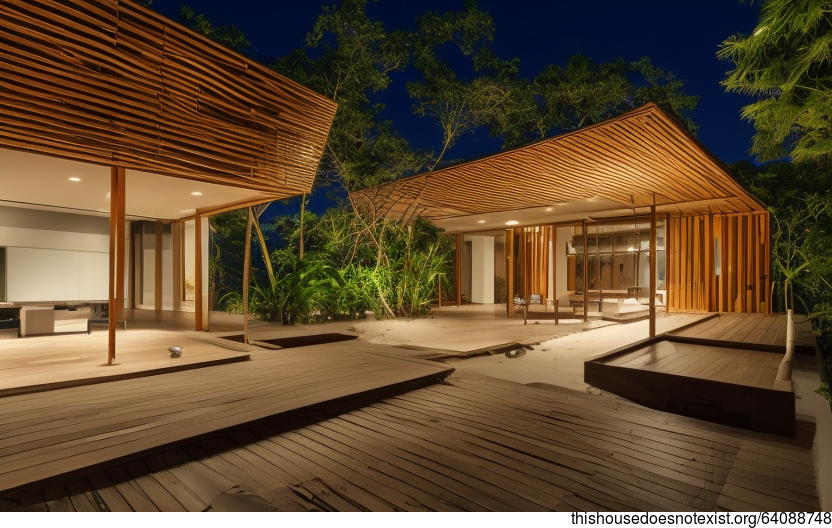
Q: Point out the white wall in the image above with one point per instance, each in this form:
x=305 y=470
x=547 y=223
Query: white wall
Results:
x=53 y=256
x=482 y=269
x=563 y=235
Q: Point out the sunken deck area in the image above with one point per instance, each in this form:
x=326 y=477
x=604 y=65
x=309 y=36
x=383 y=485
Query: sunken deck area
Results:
x=722 y=369
x=63 y=411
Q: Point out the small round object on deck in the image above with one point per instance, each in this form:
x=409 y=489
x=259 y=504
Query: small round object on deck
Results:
x=515 y=352
x=175 y=351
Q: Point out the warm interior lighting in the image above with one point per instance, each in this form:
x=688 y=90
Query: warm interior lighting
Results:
x=549 y=209
x=196 y=193
x=512 y=222
x=480 y=221
x=75 y=179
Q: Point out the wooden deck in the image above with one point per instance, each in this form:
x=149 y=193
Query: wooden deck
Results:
x=473 y=444
x=50 y=433
x=59 y=361
x=723 y=369
x=765 y=331
x=753 y=368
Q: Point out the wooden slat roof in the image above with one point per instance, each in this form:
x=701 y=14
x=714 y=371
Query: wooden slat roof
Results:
x=113 y=83
x=620 y=165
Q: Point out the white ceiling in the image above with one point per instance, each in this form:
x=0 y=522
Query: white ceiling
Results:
x=592 y=208
x=32 y=180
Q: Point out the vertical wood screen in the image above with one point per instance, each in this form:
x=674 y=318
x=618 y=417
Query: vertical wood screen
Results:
x=531 y=263
x=719 y=263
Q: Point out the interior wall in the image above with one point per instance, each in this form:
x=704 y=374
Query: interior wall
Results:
x=54 y=256
x=564 y=235
x=482 y=269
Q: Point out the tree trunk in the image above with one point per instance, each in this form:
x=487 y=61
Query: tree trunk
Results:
x=785 y=370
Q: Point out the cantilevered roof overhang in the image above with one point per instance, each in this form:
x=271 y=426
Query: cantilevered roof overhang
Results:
x=110 y=83
x=619 y=167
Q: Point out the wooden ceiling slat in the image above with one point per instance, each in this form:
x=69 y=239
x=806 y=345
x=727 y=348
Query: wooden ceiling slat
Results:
x=112 y=82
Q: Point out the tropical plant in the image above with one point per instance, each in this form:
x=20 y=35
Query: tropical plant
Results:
x=787 y=63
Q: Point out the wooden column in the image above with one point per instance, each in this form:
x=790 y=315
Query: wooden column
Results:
x=178 y=273
x=509 y=249
x=116 y=256
x=668 y=262
x=653 y=263
x=121 y=249
x=586 y=271
x=198 y=278
x=524 y=263
x=247 y=272
x=158 y=272
x=767 y=260
x=458 y=270
x=554 y=283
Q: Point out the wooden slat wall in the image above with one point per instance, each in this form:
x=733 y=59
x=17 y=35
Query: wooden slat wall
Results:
x=744 y=281
x=113 y=83
x=533 y=262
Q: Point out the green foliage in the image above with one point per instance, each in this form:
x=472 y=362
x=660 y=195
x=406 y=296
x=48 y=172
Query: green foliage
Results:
x=801 y=210
x=362 y=263
x=786 y=62
x=583 y=92
x=458 y=105
x=348 y=57
x=229 y=36
x=823 y=331
x=800 y=203
x=344 y=274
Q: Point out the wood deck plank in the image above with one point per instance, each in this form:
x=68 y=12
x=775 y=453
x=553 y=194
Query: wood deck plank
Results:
x=109 y=420
x=438 y=445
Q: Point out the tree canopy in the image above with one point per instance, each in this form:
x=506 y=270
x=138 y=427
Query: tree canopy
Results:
x=455 y=79
x=787 y=63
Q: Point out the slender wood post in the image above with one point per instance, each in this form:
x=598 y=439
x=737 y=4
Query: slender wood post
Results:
x=247 y=273
x=653 y=267
x=198 y=278
x=116 y=248
x=555 y=271
x=121 y=248
x=668 y=262
x=767 y=261
x=158 y=272
x=458 y=270
x=586 y=271
x=177 y=270
x=509 y=249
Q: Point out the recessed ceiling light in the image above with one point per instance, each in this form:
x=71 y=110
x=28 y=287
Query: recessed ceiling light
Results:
x=480 y=221
x=512 y=222
x=549 y=209
x=196 y=193
x=75 y=179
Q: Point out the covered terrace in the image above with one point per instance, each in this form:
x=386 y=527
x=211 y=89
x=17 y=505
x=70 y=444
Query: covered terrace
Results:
x=121 y=132
x=633 y=206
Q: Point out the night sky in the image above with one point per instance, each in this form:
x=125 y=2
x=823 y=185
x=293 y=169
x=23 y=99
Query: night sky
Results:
x=680 y=37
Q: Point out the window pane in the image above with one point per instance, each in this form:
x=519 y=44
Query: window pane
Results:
x=626 y=242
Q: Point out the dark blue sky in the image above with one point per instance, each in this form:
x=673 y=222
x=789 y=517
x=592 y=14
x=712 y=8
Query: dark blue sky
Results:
x=680 y=37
